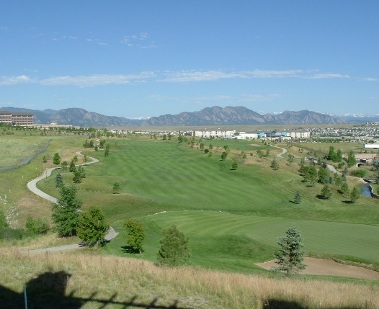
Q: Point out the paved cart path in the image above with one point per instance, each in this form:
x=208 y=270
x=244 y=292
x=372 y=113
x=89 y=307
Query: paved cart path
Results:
x=32 y=186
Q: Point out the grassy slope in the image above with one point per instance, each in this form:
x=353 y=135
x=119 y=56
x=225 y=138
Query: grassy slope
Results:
x=161 y=176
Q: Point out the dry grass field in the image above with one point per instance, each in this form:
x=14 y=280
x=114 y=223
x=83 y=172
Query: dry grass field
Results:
x=87 y=280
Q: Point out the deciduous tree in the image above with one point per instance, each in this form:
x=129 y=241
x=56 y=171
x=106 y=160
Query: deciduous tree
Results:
x=135 y=235
x=92 y=227
x=175 y=249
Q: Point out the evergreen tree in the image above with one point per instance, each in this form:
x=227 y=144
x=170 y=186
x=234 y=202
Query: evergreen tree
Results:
x=92 y=227
x=116 y=188
x=326 y=192
x=135 y=235
x=175 y=249
x=345 y=189
x=332 y=154
x=354 y=194
x=338 y=156
x=107 y=149
x=351 y=159
x=57 y=158
x=64 y=166
x=311 y=175
x=66 y=212
x=274 y=164
x=290 y=255
x=323 y=175
x=58 y=181
x=72 y=167
x=297 y=198
x=224 y=155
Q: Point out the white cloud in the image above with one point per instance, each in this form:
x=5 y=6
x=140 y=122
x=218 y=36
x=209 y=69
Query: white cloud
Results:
x=196 y=76
x=96 y=80
x=141 y=40
x=14 y=80
x=370 y=79
x=327 y=76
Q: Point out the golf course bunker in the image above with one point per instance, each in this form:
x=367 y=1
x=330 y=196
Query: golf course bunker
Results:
x=330 y=268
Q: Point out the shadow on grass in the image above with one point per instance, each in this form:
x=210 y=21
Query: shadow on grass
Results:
x=129 y=249
x=48 y=291
x=287 y=304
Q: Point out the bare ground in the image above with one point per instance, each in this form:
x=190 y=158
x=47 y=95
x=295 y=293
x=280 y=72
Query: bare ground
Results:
x=330 y=268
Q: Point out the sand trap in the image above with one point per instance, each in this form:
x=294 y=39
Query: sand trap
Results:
x=330 y=268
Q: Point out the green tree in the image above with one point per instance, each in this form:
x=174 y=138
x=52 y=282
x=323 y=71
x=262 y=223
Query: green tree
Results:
x=107 y=149
x=324 y=175
x=135 y=235
x=224 y=155
x=92 y=227
x=311 y=175
x=116 y=188
x=332 y=153
x=297 y=198
x=72 y=167
x=351 y=159
x=375 y=165
x=290 y=255
x=66 y=212
x=326 y=192
x=57 y=158
x=338 y=157
x=234 y=165
x=175 y=248
x=344 y=189
x=64 y=166
x=355 y=194
x=58 y=181
x=77 y=177
x=274 y=164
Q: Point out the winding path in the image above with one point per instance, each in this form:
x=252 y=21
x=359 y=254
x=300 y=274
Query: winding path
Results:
x=32 y=186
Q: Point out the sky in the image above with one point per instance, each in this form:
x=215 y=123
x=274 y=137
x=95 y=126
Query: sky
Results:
x=148 y=58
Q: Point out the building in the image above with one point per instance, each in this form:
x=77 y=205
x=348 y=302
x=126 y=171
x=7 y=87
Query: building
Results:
x=16 y=118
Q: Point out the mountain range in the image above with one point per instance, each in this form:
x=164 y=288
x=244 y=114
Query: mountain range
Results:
x=206 y=117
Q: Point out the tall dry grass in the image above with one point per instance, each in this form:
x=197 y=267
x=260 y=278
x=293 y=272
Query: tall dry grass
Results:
x=191 y=287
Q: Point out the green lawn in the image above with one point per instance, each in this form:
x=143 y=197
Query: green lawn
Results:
x=233 y=217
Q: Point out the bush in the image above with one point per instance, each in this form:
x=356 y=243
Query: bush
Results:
x=36 y=226
x=358 y=173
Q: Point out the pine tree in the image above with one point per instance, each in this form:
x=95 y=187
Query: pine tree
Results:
x=290 y=255
x=274 y=164
x=56 y=159
x=58 y=181
x=297 y=198
x=354 y=194
x=326 y=192
x=65 y=212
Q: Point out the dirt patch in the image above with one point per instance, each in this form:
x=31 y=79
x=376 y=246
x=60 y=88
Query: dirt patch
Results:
x=330 y=268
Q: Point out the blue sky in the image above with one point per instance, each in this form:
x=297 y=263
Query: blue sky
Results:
x=149 y=58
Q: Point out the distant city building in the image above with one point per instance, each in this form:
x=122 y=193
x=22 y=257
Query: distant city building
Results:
x=16 y=118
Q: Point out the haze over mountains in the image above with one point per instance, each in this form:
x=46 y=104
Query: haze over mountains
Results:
x=205 y=117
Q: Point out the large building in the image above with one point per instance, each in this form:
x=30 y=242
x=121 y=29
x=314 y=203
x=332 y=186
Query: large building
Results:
x=16 y=118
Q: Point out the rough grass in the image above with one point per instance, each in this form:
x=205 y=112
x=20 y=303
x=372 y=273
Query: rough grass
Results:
x=68 y=280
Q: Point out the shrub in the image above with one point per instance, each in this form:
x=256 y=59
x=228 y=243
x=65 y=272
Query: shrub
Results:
x=36 y=226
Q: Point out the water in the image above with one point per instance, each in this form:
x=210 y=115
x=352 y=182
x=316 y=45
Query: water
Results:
x=366 y=190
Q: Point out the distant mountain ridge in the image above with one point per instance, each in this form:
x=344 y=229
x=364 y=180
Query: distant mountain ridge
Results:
x=208 y=116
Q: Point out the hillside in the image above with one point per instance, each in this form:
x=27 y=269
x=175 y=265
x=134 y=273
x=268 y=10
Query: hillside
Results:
x=208 y=116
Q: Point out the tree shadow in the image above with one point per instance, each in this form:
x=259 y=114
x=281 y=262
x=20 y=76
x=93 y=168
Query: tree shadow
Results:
x=48 y=291
x=282 y=304
x=130 y=250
